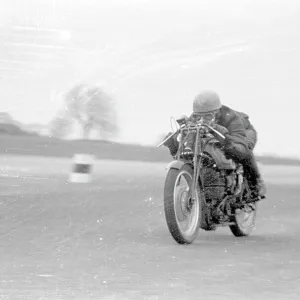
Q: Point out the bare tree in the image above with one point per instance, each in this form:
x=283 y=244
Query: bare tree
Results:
x=93 y=109
x=60 y=126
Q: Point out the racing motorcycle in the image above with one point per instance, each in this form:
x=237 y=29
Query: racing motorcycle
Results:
x=204 y=189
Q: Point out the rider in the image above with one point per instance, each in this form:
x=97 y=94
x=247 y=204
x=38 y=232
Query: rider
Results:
x=240 y=135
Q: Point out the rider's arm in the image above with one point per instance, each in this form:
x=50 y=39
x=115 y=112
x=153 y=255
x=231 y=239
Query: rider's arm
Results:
x=251 y=134
x=235 y=143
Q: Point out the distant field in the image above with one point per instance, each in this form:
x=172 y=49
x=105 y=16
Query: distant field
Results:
x=43 y=146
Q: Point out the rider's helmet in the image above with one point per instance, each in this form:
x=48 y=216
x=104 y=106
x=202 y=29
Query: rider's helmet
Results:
x=206 y=102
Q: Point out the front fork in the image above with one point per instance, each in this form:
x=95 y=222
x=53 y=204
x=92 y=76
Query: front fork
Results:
x=196 y=167
x=196 y=161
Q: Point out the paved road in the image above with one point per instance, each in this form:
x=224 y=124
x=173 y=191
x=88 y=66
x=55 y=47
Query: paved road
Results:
x=108 y=239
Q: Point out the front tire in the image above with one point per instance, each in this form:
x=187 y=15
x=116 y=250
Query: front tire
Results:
x=178 y=204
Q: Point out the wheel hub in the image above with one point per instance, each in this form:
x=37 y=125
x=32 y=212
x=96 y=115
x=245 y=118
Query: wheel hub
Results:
x=185 y=203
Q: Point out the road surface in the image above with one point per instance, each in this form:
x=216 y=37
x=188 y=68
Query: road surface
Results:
x=108 y=239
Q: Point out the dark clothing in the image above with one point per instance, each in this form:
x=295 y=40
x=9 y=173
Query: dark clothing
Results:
x=231 y=120
x=231 y=125
x=172 y=144
x=251 y=170
x=241 y=138
x=236 y=127
x=251 y=133
x=250 y=165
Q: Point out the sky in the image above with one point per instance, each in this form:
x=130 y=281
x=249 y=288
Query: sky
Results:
x=153 y=57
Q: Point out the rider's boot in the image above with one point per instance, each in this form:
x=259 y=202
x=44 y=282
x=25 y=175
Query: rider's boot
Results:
x=260 y=189
x=254 y=177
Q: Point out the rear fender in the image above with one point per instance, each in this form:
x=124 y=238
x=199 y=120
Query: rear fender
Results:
x=175 y=164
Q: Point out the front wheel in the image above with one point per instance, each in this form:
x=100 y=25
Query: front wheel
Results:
x=181 y=211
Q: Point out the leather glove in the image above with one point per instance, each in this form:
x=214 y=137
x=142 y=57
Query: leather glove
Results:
x=171 y=143
x=221 y=129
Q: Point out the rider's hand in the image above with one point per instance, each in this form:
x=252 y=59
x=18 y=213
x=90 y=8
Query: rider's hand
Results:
x=221 y=129
x=170 y=141
x=204 y=130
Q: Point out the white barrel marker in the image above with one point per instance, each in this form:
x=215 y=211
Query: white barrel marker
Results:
x=82 y=168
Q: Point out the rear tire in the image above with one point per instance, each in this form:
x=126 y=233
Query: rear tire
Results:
x=244 y=218
x=177 y=203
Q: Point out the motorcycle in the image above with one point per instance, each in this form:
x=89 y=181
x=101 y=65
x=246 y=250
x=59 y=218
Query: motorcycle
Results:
x=204 y=189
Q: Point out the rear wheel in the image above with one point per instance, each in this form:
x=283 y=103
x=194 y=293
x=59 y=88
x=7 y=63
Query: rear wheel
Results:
x=245 y=217
x=181 y=211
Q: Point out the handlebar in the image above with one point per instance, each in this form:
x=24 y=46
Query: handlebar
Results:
x=215 y=131
x=193 y=127
x=171 y=135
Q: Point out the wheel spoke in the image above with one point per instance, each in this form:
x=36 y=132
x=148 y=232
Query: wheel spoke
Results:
x=187 y=213
x=245 y=219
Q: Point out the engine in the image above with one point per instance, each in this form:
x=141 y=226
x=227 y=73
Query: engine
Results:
x=219 y=183
x=214 y=182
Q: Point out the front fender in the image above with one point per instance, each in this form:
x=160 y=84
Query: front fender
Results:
x=175 y=164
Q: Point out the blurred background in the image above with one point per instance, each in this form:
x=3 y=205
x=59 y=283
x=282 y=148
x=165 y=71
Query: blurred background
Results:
x=103 y=78
x=119 y=69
